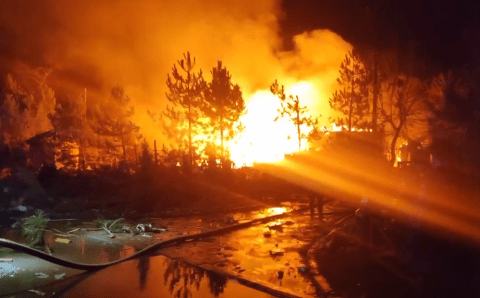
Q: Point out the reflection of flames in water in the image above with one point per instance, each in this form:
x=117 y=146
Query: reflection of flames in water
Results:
x=266 y=140
x=277 y=210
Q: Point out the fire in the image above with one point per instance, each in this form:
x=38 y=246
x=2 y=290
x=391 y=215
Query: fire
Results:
x=266 y=140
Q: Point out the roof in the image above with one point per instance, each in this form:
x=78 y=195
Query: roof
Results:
x=36 y=139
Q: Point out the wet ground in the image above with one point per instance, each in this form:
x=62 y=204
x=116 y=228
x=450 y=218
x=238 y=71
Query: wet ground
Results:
x=282 y=254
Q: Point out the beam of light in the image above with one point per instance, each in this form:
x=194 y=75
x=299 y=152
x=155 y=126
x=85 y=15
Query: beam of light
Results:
x=340 y=176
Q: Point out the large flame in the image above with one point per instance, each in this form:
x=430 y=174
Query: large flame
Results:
x=267 y=140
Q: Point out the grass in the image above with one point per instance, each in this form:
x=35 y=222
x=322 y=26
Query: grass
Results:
x=5 y=251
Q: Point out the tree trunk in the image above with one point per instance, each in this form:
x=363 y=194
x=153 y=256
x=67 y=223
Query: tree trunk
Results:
x=124 y=151
x=375 y=94
x=393 y=145
x=136 y=156
x=350 y=112
x=190 y=151
x=155 y=151
x=298 y=131
x=221 y=139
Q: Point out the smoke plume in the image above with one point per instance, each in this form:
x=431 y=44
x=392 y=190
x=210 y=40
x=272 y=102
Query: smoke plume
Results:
x=96 y=44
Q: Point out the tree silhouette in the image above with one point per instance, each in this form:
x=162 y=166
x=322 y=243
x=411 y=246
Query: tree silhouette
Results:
x=402 y=107
x=113 y=119
x=143 y=267
x=185 y=91
x=352 y=100
x=224 y=105
x=23 y=111
x=181 y=278
x=216 y=283
x=290 y=106
x=455 y=105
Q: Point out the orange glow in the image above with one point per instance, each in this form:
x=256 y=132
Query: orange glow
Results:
x=350 y=176
x=266 y=140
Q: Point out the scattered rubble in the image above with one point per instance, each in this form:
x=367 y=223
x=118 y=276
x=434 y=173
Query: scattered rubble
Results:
x=37 y=292
x=60 y=276
x=41 y=275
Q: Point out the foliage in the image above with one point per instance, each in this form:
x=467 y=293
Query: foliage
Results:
x=69 y=121
x=146 y=158
x=224 y=105
x=352 y=101
x=24 y=110
x=185 y=93
x=33 y=228
x=402 y=108
x=297 y=114
x=112 y=121
x=114 y=226
x=454 y=101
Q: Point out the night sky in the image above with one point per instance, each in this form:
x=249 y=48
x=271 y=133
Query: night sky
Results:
x=446 y=32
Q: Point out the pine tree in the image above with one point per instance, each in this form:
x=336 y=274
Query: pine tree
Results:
x=24 y=111
x=224 y=105
x=185 y=92
x=69 y=121
x=113 y=120
x=297 y=114
x=352 y=100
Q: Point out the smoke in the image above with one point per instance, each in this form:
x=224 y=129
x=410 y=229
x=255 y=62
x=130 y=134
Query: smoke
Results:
x=96 y=44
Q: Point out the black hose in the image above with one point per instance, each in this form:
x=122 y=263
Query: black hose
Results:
x=90 y=267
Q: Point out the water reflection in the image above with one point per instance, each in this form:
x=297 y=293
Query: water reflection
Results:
x=276 y=210
x=216 y=283
x=180 y=278
x=143 y=266
x=159 y=277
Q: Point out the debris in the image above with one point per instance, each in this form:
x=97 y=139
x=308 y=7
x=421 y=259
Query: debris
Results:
x=60 y=276
x=146 y=235
x=41 y=275
x=6 y=260
x=144 y=228
x=237 y=267
x=276 y=253
x=280 y=274
x=241 y=270
x=230 y=220
x=267 y=234
x=114 y=222
x=156 y=230
x=9 y=273
x=289 y=222
x=63 y=240
x=127 y=229
x=110 y=234
x=278 y=228
x=37 y=292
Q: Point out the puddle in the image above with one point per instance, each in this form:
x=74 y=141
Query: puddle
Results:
x=155 y=276
x=275 y=259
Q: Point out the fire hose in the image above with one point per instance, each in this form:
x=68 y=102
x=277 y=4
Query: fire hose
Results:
x=154 y=247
